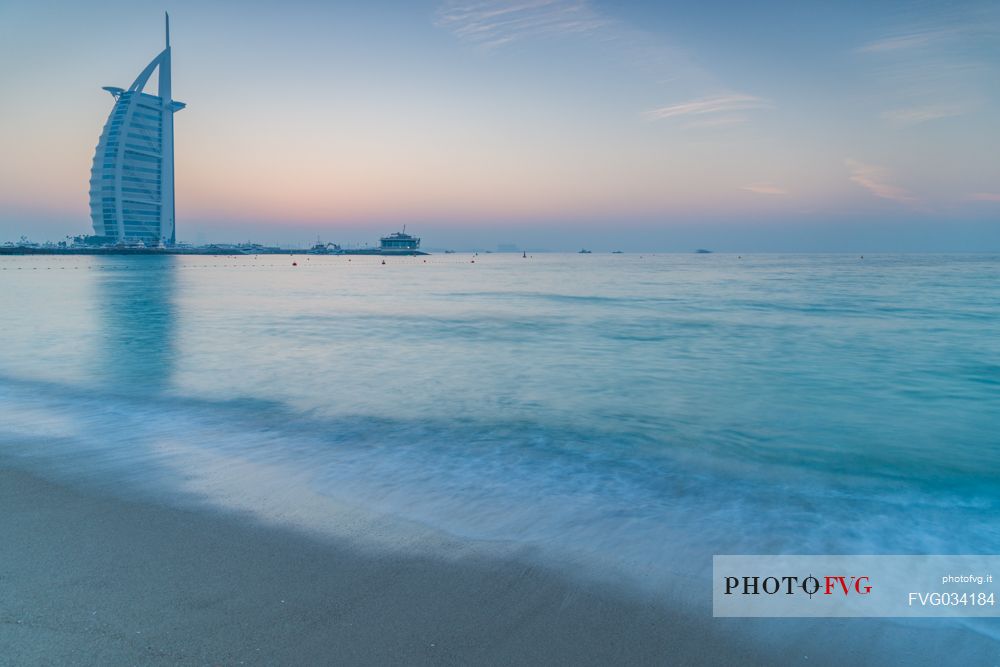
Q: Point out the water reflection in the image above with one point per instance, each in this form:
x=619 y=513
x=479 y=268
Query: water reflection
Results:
x=135 y=300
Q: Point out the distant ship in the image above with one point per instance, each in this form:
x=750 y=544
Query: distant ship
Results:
x=584 y=251
x=617 y=252
x=702 y=251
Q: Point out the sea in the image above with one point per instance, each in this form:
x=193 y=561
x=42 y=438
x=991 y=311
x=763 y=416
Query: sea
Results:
x=634 y=412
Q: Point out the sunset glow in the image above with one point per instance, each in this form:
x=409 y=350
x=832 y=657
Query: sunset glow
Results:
x=463 y=114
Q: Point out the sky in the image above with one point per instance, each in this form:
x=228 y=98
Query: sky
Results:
x=544 y=124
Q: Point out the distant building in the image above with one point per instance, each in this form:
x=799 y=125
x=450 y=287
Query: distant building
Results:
x=400 y=243
x=132 y=180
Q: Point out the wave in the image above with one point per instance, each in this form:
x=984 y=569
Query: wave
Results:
x=618 y=499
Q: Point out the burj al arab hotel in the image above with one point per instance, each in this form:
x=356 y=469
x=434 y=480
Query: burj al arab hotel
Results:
x=132 y=180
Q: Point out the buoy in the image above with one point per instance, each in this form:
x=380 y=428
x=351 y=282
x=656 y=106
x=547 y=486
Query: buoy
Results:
x=383 y=262
x=295 y=263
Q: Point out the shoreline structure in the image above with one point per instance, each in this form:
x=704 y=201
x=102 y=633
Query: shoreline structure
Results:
x=249 y=249
x=395 y=244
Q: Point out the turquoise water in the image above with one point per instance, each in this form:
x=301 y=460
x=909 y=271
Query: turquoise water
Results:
x=646 y=411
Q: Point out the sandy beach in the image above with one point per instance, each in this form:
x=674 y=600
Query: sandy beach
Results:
x=88 y=579
x=93 y=580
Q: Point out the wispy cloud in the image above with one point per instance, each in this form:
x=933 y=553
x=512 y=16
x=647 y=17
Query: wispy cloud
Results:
x=916 y=115
x=957 y=25
x=719 y=104
x=764 y=189
x=875 y=179
x=493 y=23
x=934 y=67
x=902 y=42
x=986 y=196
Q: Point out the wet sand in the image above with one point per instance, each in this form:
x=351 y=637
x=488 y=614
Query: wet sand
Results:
x=88 y=579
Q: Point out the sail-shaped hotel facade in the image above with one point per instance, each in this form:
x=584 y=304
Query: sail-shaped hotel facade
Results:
x=132 y=180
